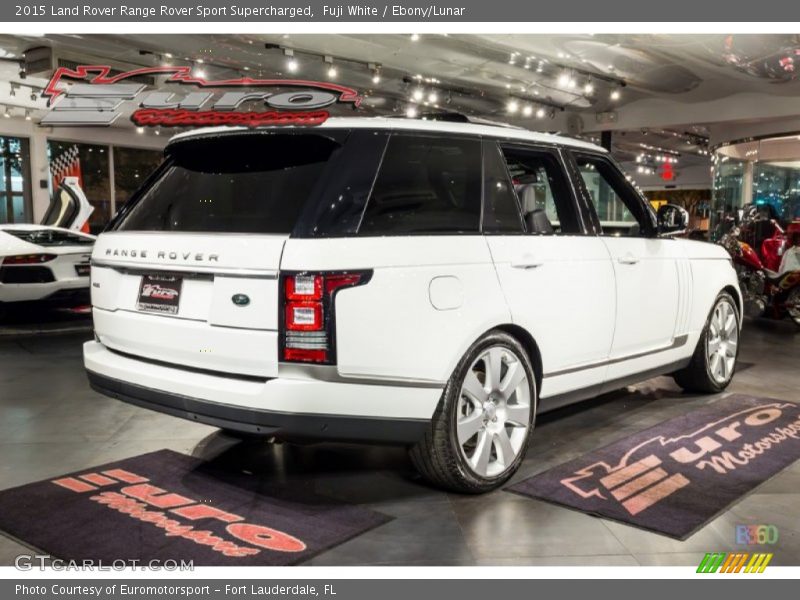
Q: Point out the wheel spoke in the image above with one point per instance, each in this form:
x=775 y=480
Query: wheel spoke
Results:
x=713 y=346
x=494 y=368
x=505 y=451
x=713 y=329
x=730 y=349
x=721 y=367
x=468 y=426
x=714 y=366
x=730 y=324
x=514 y=376
x=474 y=388
x=483 y=451
x=518 y=414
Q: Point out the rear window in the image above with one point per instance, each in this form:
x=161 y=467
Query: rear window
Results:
x=250 y=183
x=426 y=185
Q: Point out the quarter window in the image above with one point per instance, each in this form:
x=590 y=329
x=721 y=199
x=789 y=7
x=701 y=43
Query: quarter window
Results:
x=501 y=212
x=426 y=185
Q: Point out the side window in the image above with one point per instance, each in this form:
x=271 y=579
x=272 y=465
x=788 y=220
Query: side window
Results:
x=426 y=185
x=501 y=212
x=542 y=190
x=619 y=208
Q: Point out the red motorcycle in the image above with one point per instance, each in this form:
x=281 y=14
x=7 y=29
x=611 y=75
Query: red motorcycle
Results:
x=769 y=279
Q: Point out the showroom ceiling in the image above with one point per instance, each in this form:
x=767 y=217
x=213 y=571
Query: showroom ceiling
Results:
x=524 y=79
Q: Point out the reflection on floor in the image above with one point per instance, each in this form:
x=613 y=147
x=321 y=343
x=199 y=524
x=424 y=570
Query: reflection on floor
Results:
x=52 y=423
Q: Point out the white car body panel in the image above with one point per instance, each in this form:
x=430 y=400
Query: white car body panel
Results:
x=552 y=280
x=286 y=394
x=62 y=267
x=397 y=332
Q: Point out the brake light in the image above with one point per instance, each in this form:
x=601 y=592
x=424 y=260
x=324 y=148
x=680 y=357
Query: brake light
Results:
x=303 y=316
x=308 y=328
x=303 y=287
x=27 y=259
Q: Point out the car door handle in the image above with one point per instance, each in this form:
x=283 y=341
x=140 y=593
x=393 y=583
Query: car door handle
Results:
x=628 y=259
x=526 y=261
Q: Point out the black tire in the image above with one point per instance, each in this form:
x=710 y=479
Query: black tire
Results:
x=793 y=297
x=696 y=376
x=438 y=457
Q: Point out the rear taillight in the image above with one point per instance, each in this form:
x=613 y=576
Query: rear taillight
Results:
x=27 y=259
x=307 y=318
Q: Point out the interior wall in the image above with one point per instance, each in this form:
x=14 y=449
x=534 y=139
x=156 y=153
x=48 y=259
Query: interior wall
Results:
x=38 y=136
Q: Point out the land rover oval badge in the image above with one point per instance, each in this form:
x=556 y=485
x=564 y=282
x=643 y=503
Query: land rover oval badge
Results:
x=240 y=299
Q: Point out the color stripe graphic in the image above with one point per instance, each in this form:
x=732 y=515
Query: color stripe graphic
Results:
x=734 y=562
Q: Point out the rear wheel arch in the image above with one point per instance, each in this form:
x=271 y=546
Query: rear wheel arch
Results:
x=531 y=347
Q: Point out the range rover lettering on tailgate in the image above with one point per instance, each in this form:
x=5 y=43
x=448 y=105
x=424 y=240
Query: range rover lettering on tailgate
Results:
x=434 y=284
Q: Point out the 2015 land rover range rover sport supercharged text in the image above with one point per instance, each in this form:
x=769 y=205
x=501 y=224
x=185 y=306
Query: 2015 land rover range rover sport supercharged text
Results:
x=429 y=283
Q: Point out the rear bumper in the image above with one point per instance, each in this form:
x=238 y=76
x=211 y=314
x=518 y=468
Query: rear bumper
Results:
x=64 y=290
x=317 y=409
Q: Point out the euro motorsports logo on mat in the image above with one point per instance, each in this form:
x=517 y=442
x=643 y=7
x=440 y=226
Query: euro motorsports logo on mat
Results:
x=734 y=562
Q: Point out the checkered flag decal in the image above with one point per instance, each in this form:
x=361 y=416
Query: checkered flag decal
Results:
x=66 y=164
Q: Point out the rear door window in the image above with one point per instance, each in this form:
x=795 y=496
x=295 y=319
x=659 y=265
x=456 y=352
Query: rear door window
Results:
x=541 y=185
x=249 y=183
x=426 y=184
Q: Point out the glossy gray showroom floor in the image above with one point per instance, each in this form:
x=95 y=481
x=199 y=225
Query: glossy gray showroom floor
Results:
x=52 y=423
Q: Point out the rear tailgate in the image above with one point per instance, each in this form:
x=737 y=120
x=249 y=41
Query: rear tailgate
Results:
x=198 y=300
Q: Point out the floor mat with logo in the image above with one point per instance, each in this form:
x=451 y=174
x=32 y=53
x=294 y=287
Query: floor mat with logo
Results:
x=676 y=476
x=167 y=506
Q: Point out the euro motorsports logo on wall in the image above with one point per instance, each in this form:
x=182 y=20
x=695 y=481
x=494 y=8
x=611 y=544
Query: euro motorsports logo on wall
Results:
x=96 y=96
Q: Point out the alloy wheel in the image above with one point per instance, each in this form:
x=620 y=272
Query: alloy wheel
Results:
x=494 y=412
x=723 y=341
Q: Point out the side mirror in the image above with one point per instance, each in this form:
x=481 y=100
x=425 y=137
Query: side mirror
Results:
x=672 y=219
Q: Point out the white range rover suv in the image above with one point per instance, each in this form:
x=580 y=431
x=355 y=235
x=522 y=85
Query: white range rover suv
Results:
x=428 y=283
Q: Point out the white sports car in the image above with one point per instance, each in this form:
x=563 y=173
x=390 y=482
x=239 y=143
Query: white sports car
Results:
x=49 y=262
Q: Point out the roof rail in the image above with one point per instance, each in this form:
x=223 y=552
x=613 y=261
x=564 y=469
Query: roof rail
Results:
x=457 y=117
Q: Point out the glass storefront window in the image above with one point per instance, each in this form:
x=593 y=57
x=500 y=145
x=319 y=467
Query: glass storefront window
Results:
x=131 y=167
x=15 y=205
x=765 y=173
x=89 y=162
x=776 y=186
